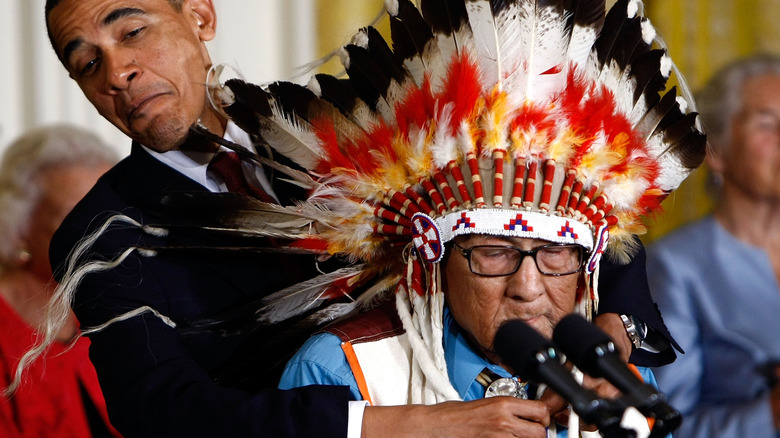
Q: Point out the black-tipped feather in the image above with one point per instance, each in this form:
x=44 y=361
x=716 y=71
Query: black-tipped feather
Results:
x=250 y=100
x=297 y=100
x=499 y=6
x=410 y=33
x=646 y=70
x=366 y=76
x=444 y=16
x=686 y=142
x=230 y=214
x=668 y=102
x=287 y=132
x=338 y=92
x=610 y=33
x=670 y=118
x=588 y=13
x=631 y=43
x=294 y=99
x=384 y=56
x=251 y=96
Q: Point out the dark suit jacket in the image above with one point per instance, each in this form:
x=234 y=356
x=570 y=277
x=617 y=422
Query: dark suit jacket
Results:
x=163 y=381
x=624 y=289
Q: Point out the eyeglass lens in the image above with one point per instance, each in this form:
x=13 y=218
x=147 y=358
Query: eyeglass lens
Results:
x=505 y=260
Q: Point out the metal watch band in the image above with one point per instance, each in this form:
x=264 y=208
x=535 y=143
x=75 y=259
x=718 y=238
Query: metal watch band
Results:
x=634 y=335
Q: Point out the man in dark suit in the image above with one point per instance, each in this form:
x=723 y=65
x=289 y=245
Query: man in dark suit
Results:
x=143 y=64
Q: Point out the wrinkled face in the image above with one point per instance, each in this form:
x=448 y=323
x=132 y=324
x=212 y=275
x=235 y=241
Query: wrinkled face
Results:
x=141 y=63
x=481 y=304
x=61 y=188
x=753 y=160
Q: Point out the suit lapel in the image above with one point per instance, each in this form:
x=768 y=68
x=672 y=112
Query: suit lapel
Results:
x=148 y=178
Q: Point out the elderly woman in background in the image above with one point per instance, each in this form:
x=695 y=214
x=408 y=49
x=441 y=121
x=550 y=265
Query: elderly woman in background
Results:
x=716 y=281
x=43 y=174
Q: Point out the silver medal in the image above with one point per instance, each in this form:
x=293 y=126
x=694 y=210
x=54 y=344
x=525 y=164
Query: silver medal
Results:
x=507 y=386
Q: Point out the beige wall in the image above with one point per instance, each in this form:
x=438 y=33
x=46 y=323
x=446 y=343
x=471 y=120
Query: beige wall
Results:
x=702 y=36
x=265 y=39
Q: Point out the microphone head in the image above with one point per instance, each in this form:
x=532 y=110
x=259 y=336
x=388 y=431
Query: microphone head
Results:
x=579 y=340
x=518 y=344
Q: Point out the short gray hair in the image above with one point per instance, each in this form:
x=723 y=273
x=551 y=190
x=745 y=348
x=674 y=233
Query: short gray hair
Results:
x=721 y=98
x=25 y=159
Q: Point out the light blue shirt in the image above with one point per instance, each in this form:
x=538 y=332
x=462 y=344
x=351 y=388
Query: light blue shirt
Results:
x=321 y=361
x=720 y=299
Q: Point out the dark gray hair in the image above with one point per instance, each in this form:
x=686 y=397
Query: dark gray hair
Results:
x=25 y=159
x=721 y=98
x=50 y=4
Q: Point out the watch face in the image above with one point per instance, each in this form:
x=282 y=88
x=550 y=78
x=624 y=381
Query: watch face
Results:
x=507 y=386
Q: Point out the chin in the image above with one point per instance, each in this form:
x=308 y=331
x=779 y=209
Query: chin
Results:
x=543 y=326
x=165 y=137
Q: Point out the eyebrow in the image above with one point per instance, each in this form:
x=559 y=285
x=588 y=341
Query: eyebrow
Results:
x=112 y=17
x=506 y=239
x=766 y=112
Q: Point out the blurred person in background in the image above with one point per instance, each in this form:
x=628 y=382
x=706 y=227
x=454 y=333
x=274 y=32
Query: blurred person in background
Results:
x=43 y=174
x=716 y=280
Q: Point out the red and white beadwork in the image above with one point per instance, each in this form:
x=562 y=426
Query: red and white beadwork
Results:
x=515 y=223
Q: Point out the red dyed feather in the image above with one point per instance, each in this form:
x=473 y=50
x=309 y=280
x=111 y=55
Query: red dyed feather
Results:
x=462 y=88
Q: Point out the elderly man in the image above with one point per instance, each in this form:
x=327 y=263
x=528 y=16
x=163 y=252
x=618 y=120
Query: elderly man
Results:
x=477 y=201
x=487 y=280
x=167 y=365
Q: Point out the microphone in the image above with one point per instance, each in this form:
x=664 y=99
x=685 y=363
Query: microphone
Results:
x=593 y=352
x=535 y=358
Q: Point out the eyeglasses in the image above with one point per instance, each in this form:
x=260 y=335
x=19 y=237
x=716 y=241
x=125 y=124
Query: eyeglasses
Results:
x=500 y=260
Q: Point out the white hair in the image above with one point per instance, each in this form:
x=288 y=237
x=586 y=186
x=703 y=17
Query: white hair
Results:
x=25 y=159
x=721 y=98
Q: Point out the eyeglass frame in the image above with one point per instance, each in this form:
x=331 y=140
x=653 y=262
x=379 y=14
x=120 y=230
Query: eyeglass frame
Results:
x=466 y=253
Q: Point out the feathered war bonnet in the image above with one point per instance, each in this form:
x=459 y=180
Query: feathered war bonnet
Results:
x=538 y=119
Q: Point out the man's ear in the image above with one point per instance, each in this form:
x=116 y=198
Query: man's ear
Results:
x=204 y=16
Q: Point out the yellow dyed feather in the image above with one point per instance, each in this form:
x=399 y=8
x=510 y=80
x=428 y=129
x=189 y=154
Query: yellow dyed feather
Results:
x=564 y=145
x=495 y=119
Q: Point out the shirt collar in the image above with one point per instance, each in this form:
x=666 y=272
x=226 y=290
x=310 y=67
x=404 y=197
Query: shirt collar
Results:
x=194 y=164
x=463 y=363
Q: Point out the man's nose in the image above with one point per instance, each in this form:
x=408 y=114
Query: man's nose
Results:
x=526 y=283
x=121 y=69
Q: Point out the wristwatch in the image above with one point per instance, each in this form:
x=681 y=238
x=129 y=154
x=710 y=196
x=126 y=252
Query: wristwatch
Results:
x=636 y=329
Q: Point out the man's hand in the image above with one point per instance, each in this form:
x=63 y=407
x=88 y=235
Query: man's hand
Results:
x=559 y=407
x=613 y=325
x=494 y=417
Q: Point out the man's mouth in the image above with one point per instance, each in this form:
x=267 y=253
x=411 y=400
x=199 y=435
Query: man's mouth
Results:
x=139 y=105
